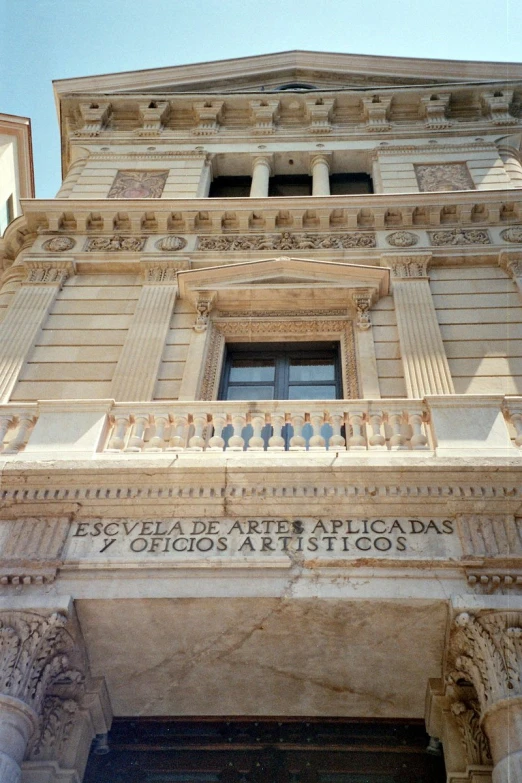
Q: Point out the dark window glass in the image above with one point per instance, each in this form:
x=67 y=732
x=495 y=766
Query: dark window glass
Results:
x=230 y=187
x=346 y=184
x=276 y=372
x=290 y=185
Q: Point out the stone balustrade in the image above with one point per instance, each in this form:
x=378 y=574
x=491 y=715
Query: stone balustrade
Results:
x=355 y=426
x=16 y=424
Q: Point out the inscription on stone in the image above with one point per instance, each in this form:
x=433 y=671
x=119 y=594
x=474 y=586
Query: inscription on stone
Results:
x=351 y=538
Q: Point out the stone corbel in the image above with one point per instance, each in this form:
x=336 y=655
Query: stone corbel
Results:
x=363 y=301
x=154 y=115
x=208 y=116
x=95 y=116
x=319 y=112
x=433 y=109
x=48 y=272
x=264 y=114
x=497 y=106
x=376 y=113
x=204 y=304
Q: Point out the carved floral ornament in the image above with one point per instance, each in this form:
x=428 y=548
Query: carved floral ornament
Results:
x=114 y=244
x=402 y=239
x=59 y=244
x=171 y=243
x=459 y=236
x=48 y=272
x=410 y=266
x=287 y=241
x=513 y=234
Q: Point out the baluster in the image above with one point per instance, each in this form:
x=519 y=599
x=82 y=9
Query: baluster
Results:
x=276 y=442
x=179 y=427
x=397 y=440
x=5 y=423
x=121 y=424
x=216 y=442
x=136 y=440
x=256 y=442
x=376 y=439
x=516 y=419
x=236 y=442
x=317 y=442
x=297 y=442
x=197 y=441
x=419 y=441
x=161 y=422
x=336 y=422
x=357 y=441
x=25 y=423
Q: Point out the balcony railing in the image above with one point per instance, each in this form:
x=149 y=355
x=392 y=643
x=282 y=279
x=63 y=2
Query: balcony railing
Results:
x=356 y=425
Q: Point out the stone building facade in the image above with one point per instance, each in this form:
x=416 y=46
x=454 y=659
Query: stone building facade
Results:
x=261 y=416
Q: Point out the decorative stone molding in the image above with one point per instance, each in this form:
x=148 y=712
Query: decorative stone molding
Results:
x=203 y=307
x=376 y=113
x=434 y=108
x=433 y=177
x=208 y=116
x=459 y=236
x=285 y=330
x=415 y=266
x=402 y=239
x=114 y=244
x=95 y=116
x=319 y=112
x=138 y=184
x=57 y=723
x=287 y=241
x=513 y=234
x=53 y=273
x=474 y=741
x=497 y=105
x=486 y=536
x=154 y=115
x=161 y=271
x=171 y=243
x=511 y=263
x=59 y=244
x=264 y=115
x=31 y=550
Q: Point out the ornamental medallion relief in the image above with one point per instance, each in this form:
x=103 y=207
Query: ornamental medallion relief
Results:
x=512 y=235
x=59 y=244
x=288 y=241
x=402 y=239
x=138 y=184
x=114 y=244
x=460 y=236
x=170 y=244
x=443 y=176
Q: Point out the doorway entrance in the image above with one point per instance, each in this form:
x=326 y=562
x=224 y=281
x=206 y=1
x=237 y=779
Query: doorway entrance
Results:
x=265 y=751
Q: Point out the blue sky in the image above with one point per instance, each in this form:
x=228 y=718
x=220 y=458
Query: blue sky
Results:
x=42 y=40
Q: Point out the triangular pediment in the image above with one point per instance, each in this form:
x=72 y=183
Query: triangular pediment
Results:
x=294 y=70
x=280 y=282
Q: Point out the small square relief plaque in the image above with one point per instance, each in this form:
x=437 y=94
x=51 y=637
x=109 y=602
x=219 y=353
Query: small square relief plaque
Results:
x=443 y=176
x=138 y=184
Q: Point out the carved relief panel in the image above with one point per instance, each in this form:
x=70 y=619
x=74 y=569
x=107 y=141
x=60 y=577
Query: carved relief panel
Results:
x=443 y=176
x=138 y=184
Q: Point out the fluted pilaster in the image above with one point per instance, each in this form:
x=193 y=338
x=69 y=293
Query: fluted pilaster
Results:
x=137 y=369
x=426 y=369
x=25 y=317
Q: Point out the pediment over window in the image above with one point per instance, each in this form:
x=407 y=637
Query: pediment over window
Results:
x=280 y=284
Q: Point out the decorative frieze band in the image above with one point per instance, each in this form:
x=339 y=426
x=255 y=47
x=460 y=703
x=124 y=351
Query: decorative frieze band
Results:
x=287 y=241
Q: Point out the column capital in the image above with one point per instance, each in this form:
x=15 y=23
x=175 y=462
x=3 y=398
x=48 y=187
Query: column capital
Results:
x=320 y=157
x=48 y=272
x=408 y=266
x=486 y=650
x=263 y=159
x=157 y=271
x=511 y=263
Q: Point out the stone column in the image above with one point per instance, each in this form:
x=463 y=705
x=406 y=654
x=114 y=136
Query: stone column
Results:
x=137 y=370
x=426 y=369
x=320 y=168
x=261 y=170
x=36 y=651
x=486 y=651
x=25 y=317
